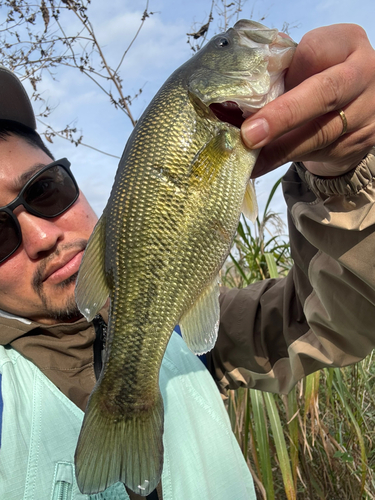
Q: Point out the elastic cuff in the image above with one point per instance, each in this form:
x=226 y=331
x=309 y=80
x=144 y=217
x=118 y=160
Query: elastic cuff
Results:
x=347 y=184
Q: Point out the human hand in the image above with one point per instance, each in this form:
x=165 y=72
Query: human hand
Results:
x=333 y=69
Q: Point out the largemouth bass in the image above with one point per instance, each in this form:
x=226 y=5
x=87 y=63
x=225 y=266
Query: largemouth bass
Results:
x=157 y=250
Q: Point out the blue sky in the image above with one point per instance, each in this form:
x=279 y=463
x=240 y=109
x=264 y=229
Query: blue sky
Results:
x=160 y=48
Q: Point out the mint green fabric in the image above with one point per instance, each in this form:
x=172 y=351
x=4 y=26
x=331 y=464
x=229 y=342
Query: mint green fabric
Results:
x=41 y=426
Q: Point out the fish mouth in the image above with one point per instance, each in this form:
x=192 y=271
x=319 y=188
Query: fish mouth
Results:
x=228 y=112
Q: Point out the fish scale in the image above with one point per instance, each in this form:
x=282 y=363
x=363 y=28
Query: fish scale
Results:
x=164 y=235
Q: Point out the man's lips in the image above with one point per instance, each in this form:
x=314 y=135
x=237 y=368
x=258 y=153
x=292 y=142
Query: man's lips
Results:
x=64 y=268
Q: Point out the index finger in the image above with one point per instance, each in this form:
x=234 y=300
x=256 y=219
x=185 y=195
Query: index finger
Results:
x=321 y=49
x=325 y=81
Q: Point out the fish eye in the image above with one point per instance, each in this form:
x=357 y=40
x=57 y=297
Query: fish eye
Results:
x=223 y=42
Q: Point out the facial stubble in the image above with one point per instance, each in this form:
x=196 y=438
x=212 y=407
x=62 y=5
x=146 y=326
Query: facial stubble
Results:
x=59 y=305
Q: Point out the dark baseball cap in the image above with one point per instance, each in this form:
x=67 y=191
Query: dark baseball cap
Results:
x=14 y=102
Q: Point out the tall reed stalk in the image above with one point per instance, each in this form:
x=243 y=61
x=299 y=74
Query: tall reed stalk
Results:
x=319 y=441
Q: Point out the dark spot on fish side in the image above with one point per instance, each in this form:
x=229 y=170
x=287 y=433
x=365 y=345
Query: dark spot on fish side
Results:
x=221 y=231
x=167 y=176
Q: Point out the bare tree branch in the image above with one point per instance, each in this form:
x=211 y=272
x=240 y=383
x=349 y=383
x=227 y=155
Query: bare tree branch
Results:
x=34 y=38
x=144 y=17
x=67 y=135
x=202 y=32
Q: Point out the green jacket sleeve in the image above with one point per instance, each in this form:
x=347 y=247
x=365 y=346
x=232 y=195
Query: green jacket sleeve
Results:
x=322 y=314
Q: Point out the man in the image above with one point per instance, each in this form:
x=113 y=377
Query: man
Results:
x=51 y=357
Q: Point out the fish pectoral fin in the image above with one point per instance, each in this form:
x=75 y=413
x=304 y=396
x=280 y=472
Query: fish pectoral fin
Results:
x=117 y=446
x=250 y=205
x=209 y=161
x=199 y=326
x=92 y=289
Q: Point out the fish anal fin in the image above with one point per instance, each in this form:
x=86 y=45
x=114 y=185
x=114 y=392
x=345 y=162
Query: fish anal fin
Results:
x=92 y=289
x=199 y=326
x=250 y=205
x=121 y=448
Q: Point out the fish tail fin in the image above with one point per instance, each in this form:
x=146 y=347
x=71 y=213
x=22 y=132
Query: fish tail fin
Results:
x=120 y=448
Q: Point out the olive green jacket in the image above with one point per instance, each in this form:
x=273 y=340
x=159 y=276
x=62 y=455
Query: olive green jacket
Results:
x=322 y=314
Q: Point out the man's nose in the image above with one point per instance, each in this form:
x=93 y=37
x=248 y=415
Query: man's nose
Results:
x=38 y=235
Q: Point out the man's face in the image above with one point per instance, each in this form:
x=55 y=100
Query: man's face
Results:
x=38 y=280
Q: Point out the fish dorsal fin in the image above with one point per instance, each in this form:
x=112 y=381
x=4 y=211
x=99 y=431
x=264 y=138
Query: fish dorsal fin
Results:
x=250 y=205
x=92 y=289
x=199 y=326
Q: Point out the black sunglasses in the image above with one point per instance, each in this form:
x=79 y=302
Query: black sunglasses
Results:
x=49 y=193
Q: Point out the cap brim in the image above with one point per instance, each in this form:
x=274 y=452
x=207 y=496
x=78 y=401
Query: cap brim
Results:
x=14 y=102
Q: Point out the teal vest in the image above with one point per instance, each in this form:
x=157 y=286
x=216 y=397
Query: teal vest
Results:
x=40 y=428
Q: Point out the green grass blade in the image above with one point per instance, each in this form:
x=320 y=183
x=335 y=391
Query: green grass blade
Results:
x=271 y=195
x=328 y=387
x=311 y=402
x=241 y=232
x=341 y=391
x=239 y=269
x=247 y=423
x=281 y=449
x=261 y=435
x=292 y=415
x=271 y=264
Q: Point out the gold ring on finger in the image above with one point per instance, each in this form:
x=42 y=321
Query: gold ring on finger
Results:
x=344 y=122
